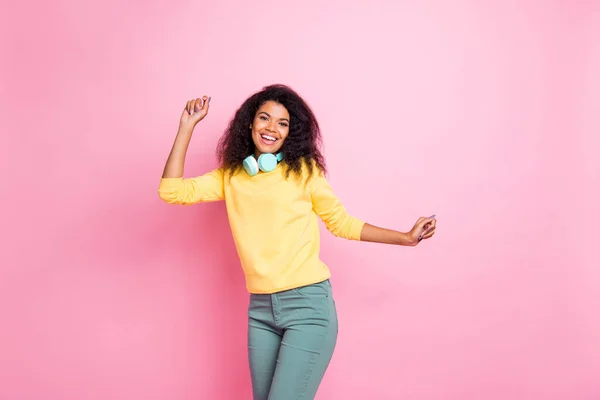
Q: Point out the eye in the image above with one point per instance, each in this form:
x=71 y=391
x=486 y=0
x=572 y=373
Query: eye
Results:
x=283 y=124
x=263 y=117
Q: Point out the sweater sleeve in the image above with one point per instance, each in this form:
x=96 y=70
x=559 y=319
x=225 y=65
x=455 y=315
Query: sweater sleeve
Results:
x=332 y=212
x=186 y=191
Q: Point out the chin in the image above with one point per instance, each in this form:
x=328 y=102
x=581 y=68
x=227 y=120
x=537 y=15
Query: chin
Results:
x=266 y=148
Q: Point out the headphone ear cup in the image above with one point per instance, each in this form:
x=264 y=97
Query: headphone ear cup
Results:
x=250 y=165
x=267 y=162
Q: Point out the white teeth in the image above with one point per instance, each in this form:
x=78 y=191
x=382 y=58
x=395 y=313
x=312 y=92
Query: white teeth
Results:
x=269 y=137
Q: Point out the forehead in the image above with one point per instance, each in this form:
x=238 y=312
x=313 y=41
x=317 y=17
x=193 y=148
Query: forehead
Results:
x=274 y=109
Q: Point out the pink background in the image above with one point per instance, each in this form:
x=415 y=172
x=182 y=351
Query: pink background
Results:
x=486 y=115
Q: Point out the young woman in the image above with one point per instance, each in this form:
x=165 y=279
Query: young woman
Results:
x=272 y=178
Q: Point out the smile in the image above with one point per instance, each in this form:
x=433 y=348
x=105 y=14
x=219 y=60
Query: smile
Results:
x=268 y=139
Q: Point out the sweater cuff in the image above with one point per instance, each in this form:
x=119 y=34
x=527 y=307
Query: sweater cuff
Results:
x=356 y=229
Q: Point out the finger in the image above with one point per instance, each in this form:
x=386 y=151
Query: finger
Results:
x=430 y=229
x=206 y=103
x=430 y=234
x=425 y=222
x=189 y=107
x=422 y=233
x=426 y=235
x=196 y=105
x=432 y=225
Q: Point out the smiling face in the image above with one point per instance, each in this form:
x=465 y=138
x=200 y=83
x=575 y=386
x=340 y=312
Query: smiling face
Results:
x=270 y=127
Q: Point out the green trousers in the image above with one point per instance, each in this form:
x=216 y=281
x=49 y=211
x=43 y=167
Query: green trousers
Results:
x=291 y=339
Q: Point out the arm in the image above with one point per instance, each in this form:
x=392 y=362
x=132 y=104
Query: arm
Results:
x=173 y=188
x=372 y=233
x=193 y=112
x=341 y=224
x=176 y=161
x=331 y=211
x=186 y=191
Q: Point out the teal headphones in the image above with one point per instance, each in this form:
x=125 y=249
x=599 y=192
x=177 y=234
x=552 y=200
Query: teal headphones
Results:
x=266 y=162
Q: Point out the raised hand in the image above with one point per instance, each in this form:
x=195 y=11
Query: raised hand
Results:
x=195 y=110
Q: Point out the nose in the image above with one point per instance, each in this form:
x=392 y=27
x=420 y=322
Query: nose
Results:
x=272 y=126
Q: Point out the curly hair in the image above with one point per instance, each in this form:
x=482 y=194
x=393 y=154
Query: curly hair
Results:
x=302 y=145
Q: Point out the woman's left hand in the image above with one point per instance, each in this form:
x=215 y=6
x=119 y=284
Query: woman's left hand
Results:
x=424 y=229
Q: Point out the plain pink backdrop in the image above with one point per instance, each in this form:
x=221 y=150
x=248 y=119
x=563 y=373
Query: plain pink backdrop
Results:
x=486 y=114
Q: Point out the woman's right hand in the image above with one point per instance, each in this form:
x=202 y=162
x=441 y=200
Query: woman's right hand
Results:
x=194 y=111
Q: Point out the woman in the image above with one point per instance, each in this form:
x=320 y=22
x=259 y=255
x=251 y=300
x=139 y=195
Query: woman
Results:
x=272 y=178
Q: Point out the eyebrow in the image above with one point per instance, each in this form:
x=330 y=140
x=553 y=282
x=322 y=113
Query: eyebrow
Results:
x=267 y=114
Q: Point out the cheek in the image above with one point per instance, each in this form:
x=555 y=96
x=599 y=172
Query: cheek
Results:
x=284 y=133
x=257 y=125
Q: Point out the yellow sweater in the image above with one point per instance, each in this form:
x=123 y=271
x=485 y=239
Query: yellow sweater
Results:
x=273 y=221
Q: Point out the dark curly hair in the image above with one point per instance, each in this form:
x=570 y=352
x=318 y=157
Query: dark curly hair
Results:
x=302 y=145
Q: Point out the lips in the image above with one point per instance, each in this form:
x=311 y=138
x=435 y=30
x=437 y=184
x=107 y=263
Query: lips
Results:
x=268 y=139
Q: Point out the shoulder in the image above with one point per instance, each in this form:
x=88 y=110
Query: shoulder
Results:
x=312 y=175
x=227 y=173
x=311 y=170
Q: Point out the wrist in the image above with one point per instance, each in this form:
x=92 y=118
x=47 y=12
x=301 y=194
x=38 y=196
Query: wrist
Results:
x=185 y=129
x=406 y=239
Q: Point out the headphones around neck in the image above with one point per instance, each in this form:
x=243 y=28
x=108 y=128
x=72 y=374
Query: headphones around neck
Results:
x=266 y=162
